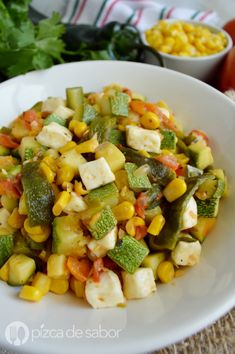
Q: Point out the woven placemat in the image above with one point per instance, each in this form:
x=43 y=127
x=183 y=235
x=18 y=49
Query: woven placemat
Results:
x=218 y=338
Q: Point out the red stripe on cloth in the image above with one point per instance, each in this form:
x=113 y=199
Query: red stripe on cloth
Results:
x=140 y=13
x=170 y=12
x=80 y=11
x=205 y=15
x=109 y=10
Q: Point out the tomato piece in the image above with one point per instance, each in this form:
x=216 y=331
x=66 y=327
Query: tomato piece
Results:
x=7 y=141
x=141 y=204
x=227 y=77
x=200 y=134
x=11 y=188
x=127 y=91
x=141 y=232
x=31 y=120
x=229 y=27
x=97 y=269
x=80 y=269
x=180 y=171
x=169 y=161
x=138 y=107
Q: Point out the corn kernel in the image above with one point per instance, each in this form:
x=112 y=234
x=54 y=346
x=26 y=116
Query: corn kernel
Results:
x=22 y=205
x=88 y=146
x=42 y=282
x=65 y=174
x=67 y=186
x=79 y=189
x=165 y=271
x=16 y=220
x=59 y=286
x=4 y=271
x=132 y=223
x=80 y=128
x=60 y=204
x=30 y=293
x=48 y=173
x=51 y=162
x=150 y=120
x=57 y=266
x=34 y=230
x=69 y=146
x=124 y=211
x=156 y=225
x=77 y=287
x=175 y=189
x=43 y=236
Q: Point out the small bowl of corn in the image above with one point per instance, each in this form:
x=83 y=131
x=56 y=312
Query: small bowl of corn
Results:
x=191 y=47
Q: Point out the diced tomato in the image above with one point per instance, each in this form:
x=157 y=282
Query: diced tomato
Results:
x=31 y=120
x=127 y=91
x=200 y=134
x=141 y=232
x=138 y=107
x=79 y=268
x=11 y=188
x=169 y=161
x=108 y=263
x=97 y=269
x=141 y=204
x=180 y=171
x=7 y=141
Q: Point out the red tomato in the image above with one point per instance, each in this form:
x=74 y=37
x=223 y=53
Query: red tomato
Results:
x=7 y=141
x=98 y=267
x=31 y=120
x=80 y=269
x=230 y=28
x=200 y=134
x=141 y=232
x=227 y=74
x=10 y=188
x=141 y=204
x=169 y=161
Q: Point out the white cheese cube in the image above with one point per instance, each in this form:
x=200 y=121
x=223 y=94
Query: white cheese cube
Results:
x=96 y=173
x=54 y=136
x=186 y=253
x=189 y=218
x=140 y=284
x=76 y=204
x=143 y=139
x=105 y=293
x=101 y=247
x=52 y=103
x=63 y=112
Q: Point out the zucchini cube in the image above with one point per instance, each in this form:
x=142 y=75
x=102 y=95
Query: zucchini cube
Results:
x=136 y=183
x=6 y=248
x=169 y=139
x=128 y=253
x=102 y=223
x=105 y=195
x=119 y=104
x=208 y=208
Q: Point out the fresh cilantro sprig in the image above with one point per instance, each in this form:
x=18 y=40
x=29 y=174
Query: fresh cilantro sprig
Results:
x=25 y=46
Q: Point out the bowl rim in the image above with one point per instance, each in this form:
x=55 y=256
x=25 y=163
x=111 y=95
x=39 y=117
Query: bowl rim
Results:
x=150 y=343
x=214 y=29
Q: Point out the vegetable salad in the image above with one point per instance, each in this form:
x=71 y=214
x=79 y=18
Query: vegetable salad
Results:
x=103 y=194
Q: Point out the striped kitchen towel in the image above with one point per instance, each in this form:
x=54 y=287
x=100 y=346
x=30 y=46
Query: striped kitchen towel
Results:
x=141 y=13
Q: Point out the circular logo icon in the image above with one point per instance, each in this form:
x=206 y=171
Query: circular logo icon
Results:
x=17 y=333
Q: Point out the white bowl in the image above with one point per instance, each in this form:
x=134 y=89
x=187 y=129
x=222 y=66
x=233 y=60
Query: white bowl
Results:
x=203 y=68
x=178 y=309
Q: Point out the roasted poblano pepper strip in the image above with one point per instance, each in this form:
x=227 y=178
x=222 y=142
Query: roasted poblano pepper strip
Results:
x=39 y=194
x=158 y=173
x=6 y=248
x=169 y=235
